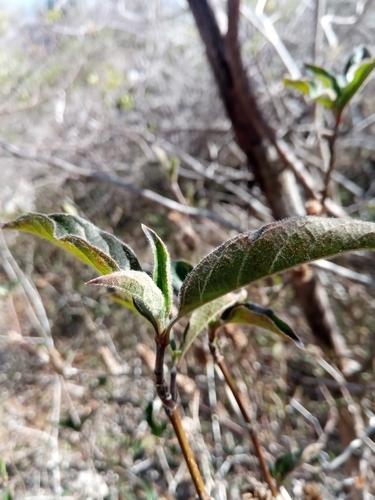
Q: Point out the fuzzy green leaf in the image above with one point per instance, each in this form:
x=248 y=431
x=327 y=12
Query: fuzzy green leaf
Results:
x=252 y=314
x=180 y=269
x=274 y=248
x=205 y=314
x=356 y=77
x=146 y=296
x=95 y=247
x=162 y=266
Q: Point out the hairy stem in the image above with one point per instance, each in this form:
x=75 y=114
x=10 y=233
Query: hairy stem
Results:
x=219 y=360
x=171 y=409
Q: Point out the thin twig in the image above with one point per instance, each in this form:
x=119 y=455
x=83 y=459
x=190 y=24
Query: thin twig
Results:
x=219 y=360
x=117 y=181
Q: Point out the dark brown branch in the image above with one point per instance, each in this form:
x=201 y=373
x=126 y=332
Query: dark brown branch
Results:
x=276 y=180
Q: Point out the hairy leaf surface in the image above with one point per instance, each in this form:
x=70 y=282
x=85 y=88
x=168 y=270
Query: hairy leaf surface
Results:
x=95 y=247
x=274 y=248
x=202 y=317
x=145 y=295
x=251 y=314
x=162 y=266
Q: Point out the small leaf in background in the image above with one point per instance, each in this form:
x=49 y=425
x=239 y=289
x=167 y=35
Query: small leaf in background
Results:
x=139 y=287
x=357 y=56
x=180 y=269
x=162 y=266
x=7 y=494
x=204 y=315
x=156 y=428
x=95 y=247
x=320 y=93
x=3 y=469
x=252 y=314
x=328 y=80
x=285 y=465
x=274 y=248
x=356 y=76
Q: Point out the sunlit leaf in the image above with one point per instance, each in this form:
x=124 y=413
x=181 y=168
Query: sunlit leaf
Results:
x=325 y=77
x=95 y=247
x=252 y=314
x=162 y=266
x=274 y=248
x=180 y=269
x=358 y=55
x=139 y=287
x=303 y=86
x=205 y=314
x=356 y=79
x=324 y=95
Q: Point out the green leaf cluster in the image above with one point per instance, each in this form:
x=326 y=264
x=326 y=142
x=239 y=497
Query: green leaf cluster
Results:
x=336 y=91
x=207 y=290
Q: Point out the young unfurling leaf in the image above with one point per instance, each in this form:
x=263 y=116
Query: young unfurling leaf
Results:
x=162 y=266
x=251 y=314
x=145 y=295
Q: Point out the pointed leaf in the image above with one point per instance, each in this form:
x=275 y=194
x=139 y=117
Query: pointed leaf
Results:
x=162 y=266
x=252 y=314
x=139 y=287
x=205 y=314
x=325 y=77
x=274 y=248
x=357 y=76
x=357 y=56
x=325 y=96
x=180 y=269
x=303 y=86
x=99 y=249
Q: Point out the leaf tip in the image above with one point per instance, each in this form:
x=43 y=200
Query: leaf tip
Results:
x=300 y=344
x=95 y=281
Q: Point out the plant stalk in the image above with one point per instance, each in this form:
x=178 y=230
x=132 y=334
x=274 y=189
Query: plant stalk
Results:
x=171 y=409
x=332 y=158
x=219 y=360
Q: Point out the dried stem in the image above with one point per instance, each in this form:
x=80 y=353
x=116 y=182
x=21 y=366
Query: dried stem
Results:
x=171 y=409
x=219 y=360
